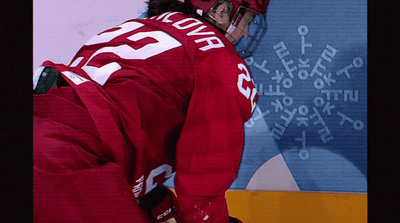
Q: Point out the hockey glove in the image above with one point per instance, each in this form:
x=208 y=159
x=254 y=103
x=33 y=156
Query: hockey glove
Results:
x=234 y=220
x=159 y=204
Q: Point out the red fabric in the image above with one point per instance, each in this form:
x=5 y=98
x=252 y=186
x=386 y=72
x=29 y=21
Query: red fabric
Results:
x=164 y=101
x=73 y=180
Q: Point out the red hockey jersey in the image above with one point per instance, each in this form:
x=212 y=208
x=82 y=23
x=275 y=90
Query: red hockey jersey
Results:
x=168 y=94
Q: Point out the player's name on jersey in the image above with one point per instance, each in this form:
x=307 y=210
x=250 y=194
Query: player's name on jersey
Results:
x=206 y=37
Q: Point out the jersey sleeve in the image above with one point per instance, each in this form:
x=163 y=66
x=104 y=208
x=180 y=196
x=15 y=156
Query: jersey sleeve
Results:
x=210 y=146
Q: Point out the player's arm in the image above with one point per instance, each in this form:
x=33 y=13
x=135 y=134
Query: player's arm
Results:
x=210 y=146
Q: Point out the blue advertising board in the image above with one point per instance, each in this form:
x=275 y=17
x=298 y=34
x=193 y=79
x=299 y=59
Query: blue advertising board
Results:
x=310 y=71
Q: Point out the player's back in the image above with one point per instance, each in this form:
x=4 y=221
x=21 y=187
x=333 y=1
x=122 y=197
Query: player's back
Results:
x=148 y=68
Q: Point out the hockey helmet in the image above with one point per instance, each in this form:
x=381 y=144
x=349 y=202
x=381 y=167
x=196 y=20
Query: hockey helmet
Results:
x=237 y=9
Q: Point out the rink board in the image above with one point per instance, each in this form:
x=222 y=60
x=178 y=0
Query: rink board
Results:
x=289 y=207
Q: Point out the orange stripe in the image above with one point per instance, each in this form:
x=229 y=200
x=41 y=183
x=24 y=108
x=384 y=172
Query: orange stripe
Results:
x=298 y=207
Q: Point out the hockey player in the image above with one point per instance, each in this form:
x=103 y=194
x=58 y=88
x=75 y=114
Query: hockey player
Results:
x=139 y=102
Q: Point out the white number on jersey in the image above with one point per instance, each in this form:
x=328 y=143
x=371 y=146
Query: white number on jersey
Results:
x=164 y=42
x=247 y=92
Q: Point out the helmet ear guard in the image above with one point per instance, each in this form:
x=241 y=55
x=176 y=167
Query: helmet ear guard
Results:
x=211 y=13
